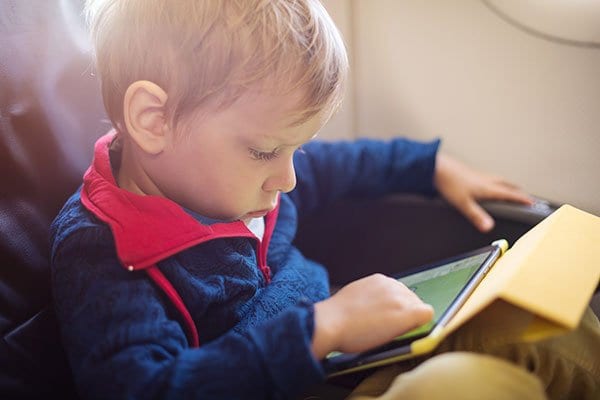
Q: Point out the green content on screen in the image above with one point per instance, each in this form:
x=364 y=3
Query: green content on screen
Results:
x=440 y=286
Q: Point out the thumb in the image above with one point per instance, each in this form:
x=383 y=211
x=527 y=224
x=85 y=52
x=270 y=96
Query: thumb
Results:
x=477 y=215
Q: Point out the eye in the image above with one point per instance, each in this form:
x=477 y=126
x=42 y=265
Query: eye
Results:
x=263 y=156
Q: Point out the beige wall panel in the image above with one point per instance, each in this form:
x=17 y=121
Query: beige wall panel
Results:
x=502 y=100
x=341 y=125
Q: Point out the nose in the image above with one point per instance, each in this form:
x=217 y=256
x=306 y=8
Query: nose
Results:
x=283 y=179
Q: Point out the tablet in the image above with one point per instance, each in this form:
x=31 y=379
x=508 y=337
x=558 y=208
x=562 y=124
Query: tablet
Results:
x=445 y=285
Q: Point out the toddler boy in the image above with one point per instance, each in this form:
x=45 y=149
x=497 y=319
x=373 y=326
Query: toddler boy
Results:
x=173 y=268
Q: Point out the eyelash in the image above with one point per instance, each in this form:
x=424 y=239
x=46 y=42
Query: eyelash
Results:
x=262 y=156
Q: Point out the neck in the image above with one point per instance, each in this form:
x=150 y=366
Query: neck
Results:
x=131 y=175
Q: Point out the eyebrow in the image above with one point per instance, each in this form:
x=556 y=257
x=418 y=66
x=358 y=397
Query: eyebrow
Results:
x=271 y=138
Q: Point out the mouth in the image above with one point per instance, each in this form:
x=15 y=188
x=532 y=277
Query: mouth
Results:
x=259 y=213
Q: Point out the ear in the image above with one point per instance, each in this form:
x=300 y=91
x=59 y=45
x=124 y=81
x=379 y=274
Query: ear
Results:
x=144 y=115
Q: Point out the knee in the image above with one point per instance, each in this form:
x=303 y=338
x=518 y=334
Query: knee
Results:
x=466 y=376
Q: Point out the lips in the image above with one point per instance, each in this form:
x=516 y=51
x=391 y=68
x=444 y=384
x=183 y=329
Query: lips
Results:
x=259 y=213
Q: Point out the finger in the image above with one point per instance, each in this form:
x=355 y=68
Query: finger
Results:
x=499 y=192
x=477 y=215
x=512 y=191
x=415 y=317
x=502 y=181
x=424 y=313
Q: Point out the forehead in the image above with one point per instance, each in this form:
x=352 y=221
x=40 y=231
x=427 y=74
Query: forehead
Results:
x=260 y=117
x=273 y=117
x=263 y=107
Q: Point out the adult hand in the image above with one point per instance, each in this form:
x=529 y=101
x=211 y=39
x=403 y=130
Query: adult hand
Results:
x=463 y=186
x=366 y=313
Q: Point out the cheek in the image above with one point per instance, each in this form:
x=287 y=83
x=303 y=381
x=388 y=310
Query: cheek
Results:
x=249 y=180
x=236 y=182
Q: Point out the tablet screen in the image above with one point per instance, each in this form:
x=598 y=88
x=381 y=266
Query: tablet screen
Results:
x=440 y=286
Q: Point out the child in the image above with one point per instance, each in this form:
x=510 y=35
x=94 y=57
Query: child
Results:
x=173 y=269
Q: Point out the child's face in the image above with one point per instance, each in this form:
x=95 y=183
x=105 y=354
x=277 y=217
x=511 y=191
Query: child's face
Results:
x=232 y=164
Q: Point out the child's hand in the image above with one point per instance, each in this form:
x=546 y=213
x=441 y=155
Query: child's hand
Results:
x=366 y=313
x=462 y=186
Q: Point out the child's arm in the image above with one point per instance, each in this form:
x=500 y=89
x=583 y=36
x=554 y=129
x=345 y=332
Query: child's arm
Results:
x=123 y=339
x=366 y=313
x=367 y=167
x=327 y=171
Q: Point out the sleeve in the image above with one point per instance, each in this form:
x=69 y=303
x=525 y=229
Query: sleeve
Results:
x=301 y=279
x=327 y=171
x=122 y=341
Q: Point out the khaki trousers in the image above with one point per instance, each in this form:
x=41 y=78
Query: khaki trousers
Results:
x=469 y=366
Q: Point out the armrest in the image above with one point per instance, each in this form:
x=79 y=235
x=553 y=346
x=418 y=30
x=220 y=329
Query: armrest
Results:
x=533 y=214
x=354 y=238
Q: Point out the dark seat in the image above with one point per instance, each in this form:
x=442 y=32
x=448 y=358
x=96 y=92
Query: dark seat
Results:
x=51 y=114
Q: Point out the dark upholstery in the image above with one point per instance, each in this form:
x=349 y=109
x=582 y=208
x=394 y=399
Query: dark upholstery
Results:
x=410 y=231
x=51 y=114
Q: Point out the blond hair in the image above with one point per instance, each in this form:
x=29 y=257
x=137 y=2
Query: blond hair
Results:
x=209 y=52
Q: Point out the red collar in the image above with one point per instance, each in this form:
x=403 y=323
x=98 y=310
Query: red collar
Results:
x=148 y=229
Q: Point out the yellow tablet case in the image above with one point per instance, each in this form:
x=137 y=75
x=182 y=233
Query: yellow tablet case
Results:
x=539 y=288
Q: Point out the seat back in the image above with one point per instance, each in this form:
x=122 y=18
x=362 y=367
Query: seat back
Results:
x=50 y=115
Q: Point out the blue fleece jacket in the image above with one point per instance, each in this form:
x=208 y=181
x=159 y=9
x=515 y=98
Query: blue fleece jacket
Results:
x=125 y=339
